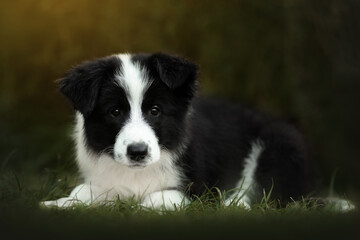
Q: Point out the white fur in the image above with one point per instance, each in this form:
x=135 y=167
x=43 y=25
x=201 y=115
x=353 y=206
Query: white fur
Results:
x=134 y=80
x=244 y=186
x=83 y=194
x=341 y=205
x=168 y=199
x=106 y=179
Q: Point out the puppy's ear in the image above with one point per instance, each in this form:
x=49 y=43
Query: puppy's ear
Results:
x=174 y=71
x=81 y=85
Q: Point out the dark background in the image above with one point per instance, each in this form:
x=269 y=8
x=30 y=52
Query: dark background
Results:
x=296 y=59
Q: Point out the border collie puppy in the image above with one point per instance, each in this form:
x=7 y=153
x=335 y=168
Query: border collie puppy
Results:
x=141 y=132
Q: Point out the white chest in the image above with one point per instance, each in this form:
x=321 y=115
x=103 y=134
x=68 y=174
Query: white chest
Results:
x=102 y=172
x=109 y=175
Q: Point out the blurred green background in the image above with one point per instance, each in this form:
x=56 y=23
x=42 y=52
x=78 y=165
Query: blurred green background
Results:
x=296 y=59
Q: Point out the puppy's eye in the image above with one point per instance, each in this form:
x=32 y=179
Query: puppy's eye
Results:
x=115 y=112
x=155 y=111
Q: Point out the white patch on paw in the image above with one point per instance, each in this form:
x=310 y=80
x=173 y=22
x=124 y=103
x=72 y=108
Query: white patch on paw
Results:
x=61 y=203
x=243 y=202
x=341 y=205
x=168 y=200
x=82 y=194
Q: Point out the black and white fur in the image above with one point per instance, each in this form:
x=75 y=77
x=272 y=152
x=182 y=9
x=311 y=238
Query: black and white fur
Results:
x=142 y=132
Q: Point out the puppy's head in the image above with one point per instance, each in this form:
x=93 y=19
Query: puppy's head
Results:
x=134 y=106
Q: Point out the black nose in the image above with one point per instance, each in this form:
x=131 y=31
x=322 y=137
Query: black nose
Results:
x=137 y=151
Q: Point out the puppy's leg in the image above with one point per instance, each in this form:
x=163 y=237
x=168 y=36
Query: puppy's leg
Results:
x=239 y=200
x=340 y=205
x=283 y=167
x=167 y=199
x=82 y=194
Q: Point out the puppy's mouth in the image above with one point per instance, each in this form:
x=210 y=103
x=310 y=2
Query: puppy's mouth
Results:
x=130 y=164
x=137 y=166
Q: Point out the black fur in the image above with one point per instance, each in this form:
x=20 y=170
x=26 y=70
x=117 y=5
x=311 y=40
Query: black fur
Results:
x=220 y=140
x=217 y=134
x=82 y=84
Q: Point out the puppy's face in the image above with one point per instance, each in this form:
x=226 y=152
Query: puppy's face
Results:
x=134 y=106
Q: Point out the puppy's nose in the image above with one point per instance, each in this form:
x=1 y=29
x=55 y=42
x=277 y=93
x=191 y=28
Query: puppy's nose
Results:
x=137 y=151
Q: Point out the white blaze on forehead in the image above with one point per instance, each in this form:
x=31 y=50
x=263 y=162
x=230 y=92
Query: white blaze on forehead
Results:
x=134 y=80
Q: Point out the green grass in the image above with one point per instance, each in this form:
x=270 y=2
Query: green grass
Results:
x=23 y=217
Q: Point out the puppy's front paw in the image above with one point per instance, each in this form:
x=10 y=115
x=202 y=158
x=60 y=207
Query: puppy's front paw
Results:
x=82 y=194
x=165 y=200
x=243 y=202
x=60 y=203
x=341 y=205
